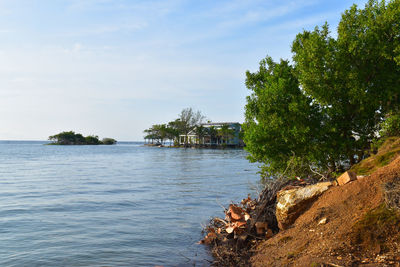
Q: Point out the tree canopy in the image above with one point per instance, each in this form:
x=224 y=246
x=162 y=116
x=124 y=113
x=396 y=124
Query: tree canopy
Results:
x=188 y=121
x=72 y=138
x=280 y=119
x=323 y=111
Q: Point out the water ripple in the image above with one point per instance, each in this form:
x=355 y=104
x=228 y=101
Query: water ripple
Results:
x=124 y=205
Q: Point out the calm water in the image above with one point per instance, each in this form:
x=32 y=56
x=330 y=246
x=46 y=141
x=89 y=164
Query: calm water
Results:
x=123 y=205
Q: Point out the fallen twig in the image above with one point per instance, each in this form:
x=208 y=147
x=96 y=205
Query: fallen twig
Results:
x=220 y=220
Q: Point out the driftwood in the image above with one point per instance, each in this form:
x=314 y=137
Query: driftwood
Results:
x=246 y=223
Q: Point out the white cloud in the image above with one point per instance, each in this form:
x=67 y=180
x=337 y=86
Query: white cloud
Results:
x=119 y=66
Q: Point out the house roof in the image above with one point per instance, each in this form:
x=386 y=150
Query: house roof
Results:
x=218 y=123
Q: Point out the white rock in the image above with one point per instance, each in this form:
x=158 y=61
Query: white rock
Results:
x=322 y=221
x=293 y=202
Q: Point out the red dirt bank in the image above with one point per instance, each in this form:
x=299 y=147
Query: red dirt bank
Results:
x=337 y=242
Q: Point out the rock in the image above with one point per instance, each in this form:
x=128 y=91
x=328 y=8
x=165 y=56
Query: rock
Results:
x=261 y=227
x=359 y=177
x=346 y=177
x=322 y=221
x=293 y=202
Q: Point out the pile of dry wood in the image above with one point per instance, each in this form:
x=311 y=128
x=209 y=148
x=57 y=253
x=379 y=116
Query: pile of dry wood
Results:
x=244 y=224
x=238 y=224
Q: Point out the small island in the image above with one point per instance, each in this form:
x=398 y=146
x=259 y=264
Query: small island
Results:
x=189 y=130
x=72 y=138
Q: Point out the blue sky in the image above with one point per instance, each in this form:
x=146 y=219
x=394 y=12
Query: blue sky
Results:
x=115 y=67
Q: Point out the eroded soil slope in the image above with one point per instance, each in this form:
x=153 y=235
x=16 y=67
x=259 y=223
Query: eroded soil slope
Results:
x=346 y=238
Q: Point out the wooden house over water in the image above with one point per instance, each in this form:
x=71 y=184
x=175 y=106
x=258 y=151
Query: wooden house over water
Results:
x=213 y=134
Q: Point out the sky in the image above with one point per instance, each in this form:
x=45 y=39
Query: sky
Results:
x=113 y=68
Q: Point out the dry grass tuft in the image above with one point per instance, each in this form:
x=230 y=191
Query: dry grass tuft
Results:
x=392 y=194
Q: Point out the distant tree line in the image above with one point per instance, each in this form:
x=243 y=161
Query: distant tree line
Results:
x=320 y=112
x=72 y=138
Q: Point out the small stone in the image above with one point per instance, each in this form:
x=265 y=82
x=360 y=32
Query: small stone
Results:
x=339 y=258
x=346 y=178
x=322 y=221
x=269 y=234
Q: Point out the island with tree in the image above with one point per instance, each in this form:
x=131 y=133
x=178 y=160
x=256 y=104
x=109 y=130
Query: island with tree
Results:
x=190 y=130
x=72 y=138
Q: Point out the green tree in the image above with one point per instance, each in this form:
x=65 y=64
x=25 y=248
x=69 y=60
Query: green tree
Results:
x=213 y=133
x=390 y=126
x=72 y=138
x=157 y=132
x=149 y=134
x=108 y=141
x=226 y=133
x=173 y=131
x=189 y=119
x=325 y=111
x=281 y=122
x=92 y=140
x=200 y=131
x=161 y=132
x=68 y=138
x=355 y=78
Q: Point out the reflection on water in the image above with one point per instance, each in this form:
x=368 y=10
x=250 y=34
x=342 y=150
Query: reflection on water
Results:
x=113 y=205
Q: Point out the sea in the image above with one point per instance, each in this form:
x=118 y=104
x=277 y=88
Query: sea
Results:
x=119 y=205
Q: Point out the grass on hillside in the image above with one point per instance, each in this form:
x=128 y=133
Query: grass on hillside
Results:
x=386 y=153
x=373 y=230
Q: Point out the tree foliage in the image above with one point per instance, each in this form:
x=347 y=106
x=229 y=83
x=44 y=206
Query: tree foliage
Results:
x=201 y=132
x=390 y=126
x=72 y=138
x=325 y=110
x=226 y=133
x=108 y=141
x=92 y=140
x=280 y=119
x=188 y=121
x=68 y=138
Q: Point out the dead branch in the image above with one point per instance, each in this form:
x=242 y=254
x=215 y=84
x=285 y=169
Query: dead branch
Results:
x=323 y=176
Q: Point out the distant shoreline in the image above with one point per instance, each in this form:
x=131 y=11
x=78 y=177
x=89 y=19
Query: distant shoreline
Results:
x=196 y=146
